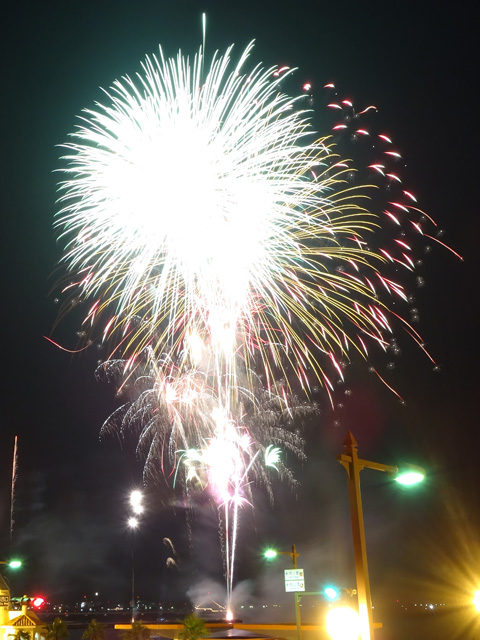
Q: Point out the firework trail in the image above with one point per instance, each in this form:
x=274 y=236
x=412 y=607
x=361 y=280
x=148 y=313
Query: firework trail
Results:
x=176 y=413
x=14 y=482
x=225 y=253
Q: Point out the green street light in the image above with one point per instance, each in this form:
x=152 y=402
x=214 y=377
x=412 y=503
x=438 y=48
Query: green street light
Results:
x=408 y=475
x=13 y=564
x=273 y=553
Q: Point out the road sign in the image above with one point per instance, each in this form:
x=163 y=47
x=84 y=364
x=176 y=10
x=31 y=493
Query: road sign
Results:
x=294 y=580
x=294 y=574
x=294 y=585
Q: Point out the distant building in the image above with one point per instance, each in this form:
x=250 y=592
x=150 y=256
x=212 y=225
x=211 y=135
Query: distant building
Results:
x=12 y=621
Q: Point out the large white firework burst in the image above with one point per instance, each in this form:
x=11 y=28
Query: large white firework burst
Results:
x=198 y=208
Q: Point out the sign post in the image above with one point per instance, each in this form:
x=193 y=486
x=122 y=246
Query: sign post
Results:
x=295 y=582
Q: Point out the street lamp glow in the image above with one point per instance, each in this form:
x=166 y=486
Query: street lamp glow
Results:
x=136 y=498
x=272 y=553
x=476 y=600
x=410 y=477
x=13 y=564
x=343 y=624
x=132 y=522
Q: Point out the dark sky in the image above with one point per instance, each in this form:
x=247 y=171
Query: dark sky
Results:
x=420 y=68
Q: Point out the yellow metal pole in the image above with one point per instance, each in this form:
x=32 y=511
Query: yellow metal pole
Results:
x=294 y=555
x=353 y=467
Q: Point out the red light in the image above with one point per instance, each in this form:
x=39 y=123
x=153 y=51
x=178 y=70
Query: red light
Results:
x=38 y=601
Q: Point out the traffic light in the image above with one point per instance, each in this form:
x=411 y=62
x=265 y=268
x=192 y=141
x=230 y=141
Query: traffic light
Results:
x=30 y=601
x=37 y=601
x=331 y=592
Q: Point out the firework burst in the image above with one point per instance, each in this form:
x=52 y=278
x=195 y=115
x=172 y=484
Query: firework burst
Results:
x=181 y=425
x=202 y=211
x=183 y=428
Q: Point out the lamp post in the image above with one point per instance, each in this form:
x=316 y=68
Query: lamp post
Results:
x=136 y=505
x=353 y=465
x=5 y=596
x=271 y=553
x=133 y=524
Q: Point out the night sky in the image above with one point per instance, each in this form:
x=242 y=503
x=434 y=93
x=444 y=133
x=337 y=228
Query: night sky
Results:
x=420 y=68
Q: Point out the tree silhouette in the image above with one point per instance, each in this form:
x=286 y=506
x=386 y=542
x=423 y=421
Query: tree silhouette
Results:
x=193 y=628
x=94 y=631
x=57 y=630
x=137 y=632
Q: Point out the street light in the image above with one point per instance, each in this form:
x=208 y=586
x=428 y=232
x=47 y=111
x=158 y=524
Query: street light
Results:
x=272 y=553
x=342 y=623
x=13 y=564
x=476 y=600
x=132 y=522
x=136 y=498
x=406 y=475
x=409 y=474
x=136 y=505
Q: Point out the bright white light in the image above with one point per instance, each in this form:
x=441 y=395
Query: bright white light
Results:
x=136 y=498
x=476 y=600
x=14 y=564
x=191 y=200
x=343 y=624
x=175 y=175
x=132 y=522
x=412 y=477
